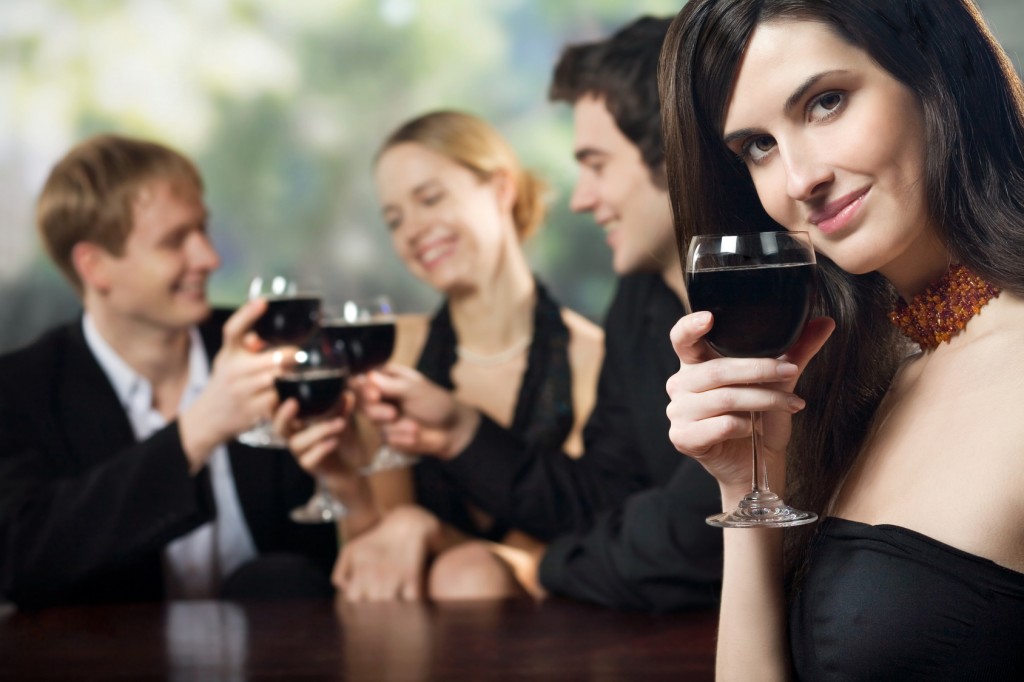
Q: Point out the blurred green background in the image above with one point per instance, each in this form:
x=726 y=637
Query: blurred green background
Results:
x=283 y=104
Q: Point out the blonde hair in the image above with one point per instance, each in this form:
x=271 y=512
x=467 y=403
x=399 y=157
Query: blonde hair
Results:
x=89 y=194
x=477 y=146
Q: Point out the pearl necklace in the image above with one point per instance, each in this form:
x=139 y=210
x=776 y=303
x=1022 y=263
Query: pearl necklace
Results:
x=498 y=358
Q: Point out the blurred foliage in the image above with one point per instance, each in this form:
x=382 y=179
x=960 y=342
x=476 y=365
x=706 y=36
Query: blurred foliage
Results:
x=282 y=104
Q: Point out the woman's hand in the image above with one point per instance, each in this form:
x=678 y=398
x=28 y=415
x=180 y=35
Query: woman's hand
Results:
x=329 y=448
x=711 y=399
x=389 y=561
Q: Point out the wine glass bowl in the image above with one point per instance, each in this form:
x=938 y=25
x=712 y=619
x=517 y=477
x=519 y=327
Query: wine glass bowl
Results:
x=759 y=287
x=292 y=315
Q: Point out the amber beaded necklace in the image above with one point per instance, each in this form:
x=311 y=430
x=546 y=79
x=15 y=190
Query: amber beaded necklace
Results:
x=944 y=308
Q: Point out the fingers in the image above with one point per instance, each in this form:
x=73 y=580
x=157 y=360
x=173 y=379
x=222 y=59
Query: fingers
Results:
x=239 y=324
x=814 y=336
x=687 y=335
x=312 y=437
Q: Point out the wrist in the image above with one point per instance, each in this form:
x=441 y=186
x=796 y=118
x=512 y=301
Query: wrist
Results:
x=197 y=441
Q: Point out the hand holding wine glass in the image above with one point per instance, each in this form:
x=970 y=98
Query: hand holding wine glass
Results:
x=315 y=379
x=365 y=329
x=292 y=315
x=759 y=288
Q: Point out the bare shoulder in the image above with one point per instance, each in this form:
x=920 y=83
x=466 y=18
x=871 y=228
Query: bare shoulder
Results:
x=586 y=339
x=410 y=335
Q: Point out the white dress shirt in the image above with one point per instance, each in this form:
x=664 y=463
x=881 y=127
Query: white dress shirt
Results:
x=196 y=563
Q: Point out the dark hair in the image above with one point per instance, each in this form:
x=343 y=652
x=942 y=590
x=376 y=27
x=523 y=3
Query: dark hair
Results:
x=88 y=195
x=623 y=71
x=972 y=101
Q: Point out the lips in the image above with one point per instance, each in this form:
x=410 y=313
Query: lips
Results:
x=838 y=214
x=433 y=252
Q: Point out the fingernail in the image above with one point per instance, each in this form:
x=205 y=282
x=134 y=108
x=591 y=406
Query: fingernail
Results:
x=701 y=319
x=787 y=370
x=796 y=404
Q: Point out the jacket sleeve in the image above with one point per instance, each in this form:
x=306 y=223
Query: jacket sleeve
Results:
x=654 y=553
x=547 y=492
x=64 y=520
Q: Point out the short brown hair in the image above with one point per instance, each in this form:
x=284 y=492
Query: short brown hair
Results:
x=89 y=193
x=477 y=146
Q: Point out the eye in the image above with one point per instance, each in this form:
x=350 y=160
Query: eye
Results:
x=757 y=148
x=433 y=198
x=825 y=106
x=392 y=220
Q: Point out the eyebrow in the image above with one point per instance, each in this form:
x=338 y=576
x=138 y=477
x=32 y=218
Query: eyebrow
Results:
x=791 y=102
x=585 y=153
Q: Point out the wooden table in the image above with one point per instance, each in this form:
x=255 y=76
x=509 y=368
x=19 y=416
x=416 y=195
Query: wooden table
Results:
x=312 y=640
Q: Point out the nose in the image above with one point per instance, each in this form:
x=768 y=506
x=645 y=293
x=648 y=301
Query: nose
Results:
x=806 y=174
x=202 y=254
x=584 y=196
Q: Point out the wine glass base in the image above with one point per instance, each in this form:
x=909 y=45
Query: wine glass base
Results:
x=262 y=436
x=762 y=510
x=387 y=459
x=318 y=511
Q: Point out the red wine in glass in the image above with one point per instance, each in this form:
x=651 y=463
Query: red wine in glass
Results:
x=316 y=392
x=759 y=310
x=366 y=344
x=759 y=287
x=288 y=320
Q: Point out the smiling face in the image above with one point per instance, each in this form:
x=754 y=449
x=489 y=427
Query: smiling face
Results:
x=448 y=226
x=160 y=278
x=836 y=146
x=616 y=186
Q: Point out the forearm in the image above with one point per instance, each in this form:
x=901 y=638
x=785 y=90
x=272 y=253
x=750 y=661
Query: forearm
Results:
x=115 y=512
x=654 y=553
x=752 y=635
x=539 y=489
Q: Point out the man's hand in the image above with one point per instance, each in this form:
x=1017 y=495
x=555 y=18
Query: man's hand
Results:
x=416 y=415
x=239 y=392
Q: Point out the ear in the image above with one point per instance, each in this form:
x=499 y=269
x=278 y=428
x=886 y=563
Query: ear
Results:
x=505 y=189
x=90 y=262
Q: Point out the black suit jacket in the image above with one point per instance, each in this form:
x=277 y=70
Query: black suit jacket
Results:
x=624 y=522
x=85 y=509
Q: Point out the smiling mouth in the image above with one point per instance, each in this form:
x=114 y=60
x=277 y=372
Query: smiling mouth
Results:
x=435 y=253
x=838 y=213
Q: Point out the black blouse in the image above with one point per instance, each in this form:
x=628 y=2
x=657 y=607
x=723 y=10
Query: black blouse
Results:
x=887 y=603
x=543 y=412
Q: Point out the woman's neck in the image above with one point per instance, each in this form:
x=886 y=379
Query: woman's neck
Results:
x=921 y=264
x=498 y=313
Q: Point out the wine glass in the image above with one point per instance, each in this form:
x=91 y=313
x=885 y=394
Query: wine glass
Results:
x=291 y=317
x=365 y=328
x=759 y=287
x=316 y=378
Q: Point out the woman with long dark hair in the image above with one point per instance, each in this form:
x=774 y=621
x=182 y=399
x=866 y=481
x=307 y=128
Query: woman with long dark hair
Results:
x=892 y=132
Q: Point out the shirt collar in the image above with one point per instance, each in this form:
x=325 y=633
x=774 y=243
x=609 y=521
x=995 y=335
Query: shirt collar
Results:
x=133 y=390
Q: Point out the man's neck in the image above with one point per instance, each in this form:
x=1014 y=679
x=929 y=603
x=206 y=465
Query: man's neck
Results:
x=158 y=354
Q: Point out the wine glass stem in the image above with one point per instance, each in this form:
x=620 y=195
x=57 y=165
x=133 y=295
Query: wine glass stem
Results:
x=759 y=477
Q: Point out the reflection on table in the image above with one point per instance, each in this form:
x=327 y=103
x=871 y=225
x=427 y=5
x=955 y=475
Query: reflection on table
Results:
x=367 y=641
